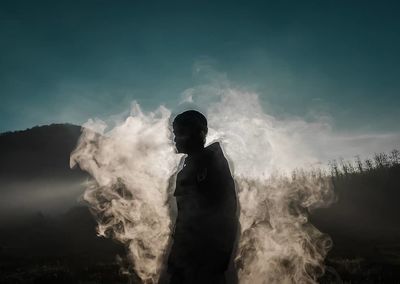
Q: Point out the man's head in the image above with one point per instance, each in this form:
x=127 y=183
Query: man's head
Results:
x=190 y=130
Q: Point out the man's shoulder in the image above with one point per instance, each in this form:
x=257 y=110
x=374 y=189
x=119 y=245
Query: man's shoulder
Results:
x=214 y=148
x=215 y=154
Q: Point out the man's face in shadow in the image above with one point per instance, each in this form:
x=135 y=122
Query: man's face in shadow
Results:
x=190 y=130
x=183 y=139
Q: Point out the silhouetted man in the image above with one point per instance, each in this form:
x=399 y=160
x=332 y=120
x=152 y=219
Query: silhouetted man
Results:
x=206 y=224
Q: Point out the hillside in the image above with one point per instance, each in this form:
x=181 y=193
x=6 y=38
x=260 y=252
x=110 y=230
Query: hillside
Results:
x=41 y=151
x=46 y=236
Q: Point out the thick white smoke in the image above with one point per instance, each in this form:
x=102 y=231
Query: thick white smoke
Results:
x=130 y=193
x=131 y=166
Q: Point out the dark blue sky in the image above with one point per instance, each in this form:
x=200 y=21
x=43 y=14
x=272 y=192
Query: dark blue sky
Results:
x=67 y=61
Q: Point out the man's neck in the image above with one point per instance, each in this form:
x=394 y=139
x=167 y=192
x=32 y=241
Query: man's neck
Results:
x=195 y=153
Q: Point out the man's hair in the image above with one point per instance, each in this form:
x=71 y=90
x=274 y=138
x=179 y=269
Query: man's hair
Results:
x=193 y=120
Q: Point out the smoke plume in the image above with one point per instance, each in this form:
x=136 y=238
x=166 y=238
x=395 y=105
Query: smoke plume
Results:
x=134 y=163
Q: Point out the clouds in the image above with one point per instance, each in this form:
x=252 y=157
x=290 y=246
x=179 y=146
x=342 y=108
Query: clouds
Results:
x=132 y=161
x=130 y=190
x=295 y=141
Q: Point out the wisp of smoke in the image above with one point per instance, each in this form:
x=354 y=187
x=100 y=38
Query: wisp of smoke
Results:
x=130 y=192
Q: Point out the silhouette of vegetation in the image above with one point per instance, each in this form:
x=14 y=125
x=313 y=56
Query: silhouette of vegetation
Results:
x=364 y=223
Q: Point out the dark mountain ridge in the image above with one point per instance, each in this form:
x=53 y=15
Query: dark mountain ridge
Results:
x=41 y=151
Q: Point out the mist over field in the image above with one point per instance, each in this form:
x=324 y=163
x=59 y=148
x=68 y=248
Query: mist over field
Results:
x=41 y=223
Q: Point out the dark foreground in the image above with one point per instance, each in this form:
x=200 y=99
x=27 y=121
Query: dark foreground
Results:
x=38 y=248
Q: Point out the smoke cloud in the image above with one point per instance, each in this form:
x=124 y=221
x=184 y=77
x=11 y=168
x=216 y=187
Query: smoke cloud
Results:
x=133 y=165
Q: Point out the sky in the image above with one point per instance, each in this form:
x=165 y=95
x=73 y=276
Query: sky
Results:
x=68 y=61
